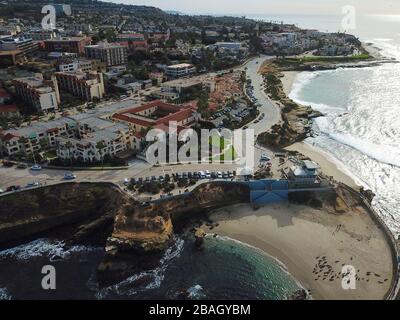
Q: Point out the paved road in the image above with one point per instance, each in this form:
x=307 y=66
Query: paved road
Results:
x=14 y=176
x=271 y=111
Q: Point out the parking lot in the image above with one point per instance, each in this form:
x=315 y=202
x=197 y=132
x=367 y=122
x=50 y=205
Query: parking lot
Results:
x=237 y=112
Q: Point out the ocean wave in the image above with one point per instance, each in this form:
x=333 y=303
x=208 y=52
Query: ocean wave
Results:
x=301 y=81
x=43 y=247
x=153 y=278
x=379 y=152
x=196 y=292
x=4 y=294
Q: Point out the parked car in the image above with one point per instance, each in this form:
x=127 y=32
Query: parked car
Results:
x=71 y=176
x=208 y=174
x=22 y=165
x=133 y=181
x=213 y=175
x=219 y=175
x=126 y=181
x=264 y=157
x=36 y=167
x=161 y=178
x=7 y=164
x=1 y=191
x=13 y=188
x=202 y=174
x=225 y=175
x=32 y=184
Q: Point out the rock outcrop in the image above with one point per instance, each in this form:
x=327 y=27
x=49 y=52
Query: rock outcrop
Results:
x=147 y=230
x=82 y=208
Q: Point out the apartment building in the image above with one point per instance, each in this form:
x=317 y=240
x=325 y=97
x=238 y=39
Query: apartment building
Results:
x=27 y=140
x=86 y=85
x=111 y=54
x=114 y=139
x=24 y=45
x=180 y=70
x=41 y=95
x=70 y=44
x=75 y=65
x=83 y=130
x=133 y=40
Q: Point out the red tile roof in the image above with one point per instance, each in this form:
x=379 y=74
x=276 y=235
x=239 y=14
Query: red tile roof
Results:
x=4 y=93
x=8 y=108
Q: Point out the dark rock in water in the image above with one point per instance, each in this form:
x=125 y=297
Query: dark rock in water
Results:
x=300 y=294
x=199 y=237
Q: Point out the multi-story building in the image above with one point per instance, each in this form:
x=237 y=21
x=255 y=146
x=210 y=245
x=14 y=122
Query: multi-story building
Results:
x=180 y=70
x=42 y=95
x=109 y=141
x=133 y=40
x=70 y=44
x=83 y=130
x=40 y=34
x=111 y=54
x=87 y=85
x=23 y=44
x=75 y=65
x=27 y=140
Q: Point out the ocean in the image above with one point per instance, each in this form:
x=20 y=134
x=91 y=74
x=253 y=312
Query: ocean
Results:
x=360 y=130
x=361 y=126
x=222 y=269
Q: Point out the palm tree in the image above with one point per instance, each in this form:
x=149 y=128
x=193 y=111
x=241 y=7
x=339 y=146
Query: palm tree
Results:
x=100 y=146
x=23 y=141
x=69 y=146
x=44 y=143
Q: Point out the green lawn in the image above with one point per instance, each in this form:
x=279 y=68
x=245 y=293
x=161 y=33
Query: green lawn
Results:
x=329 y=59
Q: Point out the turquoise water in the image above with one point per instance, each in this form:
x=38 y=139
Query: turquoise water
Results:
x=361 y=127
x=223 y=269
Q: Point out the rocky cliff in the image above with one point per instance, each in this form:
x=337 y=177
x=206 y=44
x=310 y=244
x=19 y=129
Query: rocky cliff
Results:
x=134 y=235
x=147 y=230
x=79 y=207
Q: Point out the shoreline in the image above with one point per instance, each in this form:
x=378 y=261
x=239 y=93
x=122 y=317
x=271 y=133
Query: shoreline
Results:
x=328 y=165
x=283 y=232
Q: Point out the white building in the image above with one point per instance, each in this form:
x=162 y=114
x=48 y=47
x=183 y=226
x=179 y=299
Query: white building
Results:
x=304 y=175
x=180 y=70
x=42 y=95
x=82 y=65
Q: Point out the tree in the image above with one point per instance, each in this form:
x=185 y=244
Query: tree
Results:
x=23 y=141
x=100 y=146
x=69 y=146
x=44 y=143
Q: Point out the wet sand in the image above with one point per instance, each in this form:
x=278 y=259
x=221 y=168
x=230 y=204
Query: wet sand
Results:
x=314 y=246
x=328 y=165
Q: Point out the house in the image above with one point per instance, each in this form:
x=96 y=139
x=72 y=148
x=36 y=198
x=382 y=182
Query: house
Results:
x=304 y=175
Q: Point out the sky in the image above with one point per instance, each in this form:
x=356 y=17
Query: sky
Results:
x=386 y=7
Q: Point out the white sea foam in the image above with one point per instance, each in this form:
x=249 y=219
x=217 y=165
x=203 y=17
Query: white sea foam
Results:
x=4 y=294
x=365 y=138
x=42 y=247
x=195 y=292
x=156 y=275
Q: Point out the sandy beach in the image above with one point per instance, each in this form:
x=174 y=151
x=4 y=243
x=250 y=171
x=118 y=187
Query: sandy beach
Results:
x=326 y=162
x=314 y=246
x=287 y=80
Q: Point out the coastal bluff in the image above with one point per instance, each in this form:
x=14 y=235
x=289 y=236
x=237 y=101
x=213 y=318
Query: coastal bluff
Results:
x=134 y=234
